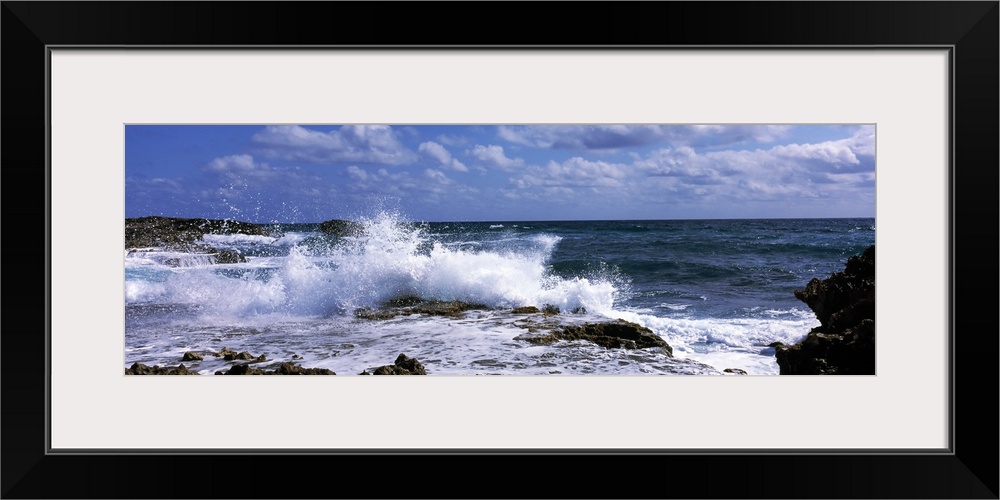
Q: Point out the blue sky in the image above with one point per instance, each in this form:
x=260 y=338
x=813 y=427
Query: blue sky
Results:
x=312 y=173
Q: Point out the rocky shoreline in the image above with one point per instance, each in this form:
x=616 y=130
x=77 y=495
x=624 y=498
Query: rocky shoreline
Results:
x=844 y=304
x=184 y=235
x=844 y=343
x=543 y=330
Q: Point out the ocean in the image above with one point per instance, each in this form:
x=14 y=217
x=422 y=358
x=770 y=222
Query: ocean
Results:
x=718 y=291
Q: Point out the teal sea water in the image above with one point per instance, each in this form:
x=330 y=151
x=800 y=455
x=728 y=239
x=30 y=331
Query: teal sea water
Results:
x=718 y=291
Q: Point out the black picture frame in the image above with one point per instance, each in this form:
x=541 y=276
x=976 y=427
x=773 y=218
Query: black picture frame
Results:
x=970 y=29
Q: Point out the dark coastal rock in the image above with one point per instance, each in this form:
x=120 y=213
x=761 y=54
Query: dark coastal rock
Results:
x=404 y=365
x=243 y=369
x=228 y=354
x=179 y=233
x=341 y=228
x=192 y=356
x=618 y=335
x=450 y=308
x=283 y=369
x=844 y=343
x=293 y=369
x=737 y=371
x=842 y=290
x=242 y=356
x=141 y=369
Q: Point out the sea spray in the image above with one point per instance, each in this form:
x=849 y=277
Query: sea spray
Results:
x=389 y=258
x=719 y=292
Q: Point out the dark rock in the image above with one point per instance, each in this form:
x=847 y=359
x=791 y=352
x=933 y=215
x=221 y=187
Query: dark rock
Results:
x=844 y=343
x=526 y=310
x=450 y=308
x=550 y=310
x=243 y=356
x=283 y=369
x=192 y=356
x=141 y=369
x=244 y=369
x=404 y=365
x=738 y=371
x=842 y=289
x=341 y=228
x=179 y=233
x=293 y=369
x=618 y=335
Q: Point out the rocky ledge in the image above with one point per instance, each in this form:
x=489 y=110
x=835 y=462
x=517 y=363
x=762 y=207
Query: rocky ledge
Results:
x=184 y=235
x=619 y=334
x=844 y=343
x=406 y=306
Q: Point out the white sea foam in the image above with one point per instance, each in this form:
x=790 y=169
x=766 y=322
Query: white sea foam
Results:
x=238 y=239
x=388 y=259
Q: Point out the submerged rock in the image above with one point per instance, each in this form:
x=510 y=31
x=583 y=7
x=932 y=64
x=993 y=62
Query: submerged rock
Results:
x=844 y=343
x=620 y=334
x=404 y=365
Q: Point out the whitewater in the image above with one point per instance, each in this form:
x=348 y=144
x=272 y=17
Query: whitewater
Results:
x=719 y=292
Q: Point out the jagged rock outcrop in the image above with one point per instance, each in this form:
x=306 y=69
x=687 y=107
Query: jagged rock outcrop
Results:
x=844 y=343
x=618 y=334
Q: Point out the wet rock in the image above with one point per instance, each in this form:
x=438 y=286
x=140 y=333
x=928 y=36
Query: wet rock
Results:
x=293 y=369
x=244 y=369
x=180 y=233
x=737 y=371
x=450 y=308
x=141 y=369
x=404 y=365
x=192 y=356
x=844 y=343
x=283 y=369
x=341 y=228
x=620 y=334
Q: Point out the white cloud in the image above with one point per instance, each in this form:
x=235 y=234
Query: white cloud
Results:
x=438 y=152
x=356 y=173
x=493 y=156
x=244 y=168
x=376 y=144
x=611 y=137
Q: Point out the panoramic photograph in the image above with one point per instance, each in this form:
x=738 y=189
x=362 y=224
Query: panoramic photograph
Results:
x=511 y=249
